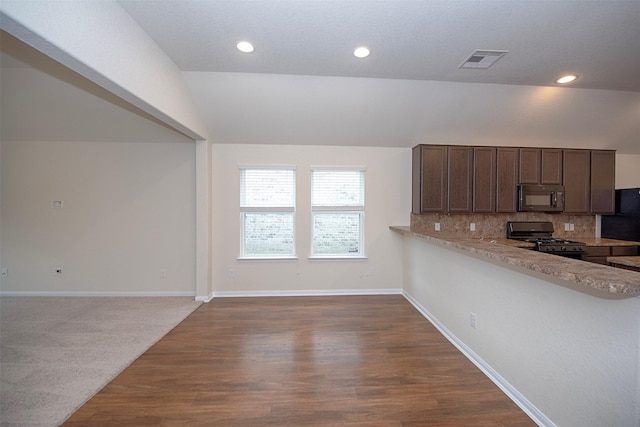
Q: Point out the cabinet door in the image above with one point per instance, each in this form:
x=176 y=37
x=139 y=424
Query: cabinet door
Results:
x=575 y=177
x=506 y=179
x=460 y=179
x=484 y=179
x=416 y=179
x=624 y=250
x=529 y=163
x=551 y=166
x=603 y=181
x=596 y=254
x=429 y=178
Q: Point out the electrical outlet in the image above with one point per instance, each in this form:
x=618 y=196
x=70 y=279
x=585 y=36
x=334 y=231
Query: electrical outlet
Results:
x=232 y=273
x=437 y=226
x=163 y=273
x=567 y=226
x=473 y=321
x=4 y=272
x=472 y=226
x=571 y=227
x=57 y=272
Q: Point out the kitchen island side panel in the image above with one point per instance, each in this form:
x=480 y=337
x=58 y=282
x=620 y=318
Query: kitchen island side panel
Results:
x=574 y=356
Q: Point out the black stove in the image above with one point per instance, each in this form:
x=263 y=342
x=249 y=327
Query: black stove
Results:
x=540 y=233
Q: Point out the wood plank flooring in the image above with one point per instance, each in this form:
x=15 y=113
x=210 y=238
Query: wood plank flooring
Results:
x=302 y=361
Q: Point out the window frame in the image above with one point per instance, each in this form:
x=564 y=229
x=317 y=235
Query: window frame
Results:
x=284 y=210
x=338 y=209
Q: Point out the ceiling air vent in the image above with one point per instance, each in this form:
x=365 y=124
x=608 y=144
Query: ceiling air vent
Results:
x=483 y=59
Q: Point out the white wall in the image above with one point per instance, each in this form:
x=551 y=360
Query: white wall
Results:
x=574 y=356
x=284 y=109
x=387 y=202
x=128 y=212
x=100 y=41
x=55 y=104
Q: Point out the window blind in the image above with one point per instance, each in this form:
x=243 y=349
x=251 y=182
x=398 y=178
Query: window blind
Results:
x=267 y=188
x=337 y=187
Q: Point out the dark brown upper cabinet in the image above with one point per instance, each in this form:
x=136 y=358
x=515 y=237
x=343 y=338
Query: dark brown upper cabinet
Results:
x=551 y=166
x=484 y=179
x=576 y=180
x=442 y=180
x=506 y=179
x=461 y=179
x=459 y=190
x=589 y=181
x=540 y=166
x=429 y=178
x=529 y=164
x=603 y=181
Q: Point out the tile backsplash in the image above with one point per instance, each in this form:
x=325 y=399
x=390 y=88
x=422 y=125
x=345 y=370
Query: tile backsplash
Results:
x=494 y=225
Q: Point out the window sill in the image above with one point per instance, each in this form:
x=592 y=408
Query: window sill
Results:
x=267 y=258
x=337 y=258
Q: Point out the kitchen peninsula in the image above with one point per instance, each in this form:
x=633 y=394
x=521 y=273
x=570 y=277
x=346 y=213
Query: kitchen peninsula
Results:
x=591 y=276
x=558 y=335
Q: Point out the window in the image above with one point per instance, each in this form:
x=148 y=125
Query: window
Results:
x=337 y=209
x=267 y=210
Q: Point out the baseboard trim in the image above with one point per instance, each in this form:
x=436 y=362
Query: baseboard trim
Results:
x=300 y=293
x=205 y=298
x=536 y=415
x=93 y=294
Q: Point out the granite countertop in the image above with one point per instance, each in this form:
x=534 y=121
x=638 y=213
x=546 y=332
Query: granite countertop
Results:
x=589 y=241
x=598 y=277
x=629 y=261
x=598 y=241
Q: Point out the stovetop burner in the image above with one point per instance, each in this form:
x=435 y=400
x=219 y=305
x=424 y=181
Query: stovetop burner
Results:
x=546 y=240
x=540 y=233
x=560 y=246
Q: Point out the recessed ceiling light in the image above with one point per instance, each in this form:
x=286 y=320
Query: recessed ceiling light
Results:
x=566 y=79
x=245 y=47
x=361 y=52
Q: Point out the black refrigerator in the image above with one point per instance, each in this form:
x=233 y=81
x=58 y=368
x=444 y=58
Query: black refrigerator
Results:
x=625 y=224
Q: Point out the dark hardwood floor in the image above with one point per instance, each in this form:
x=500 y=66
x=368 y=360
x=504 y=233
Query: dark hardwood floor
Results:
x=302 y=361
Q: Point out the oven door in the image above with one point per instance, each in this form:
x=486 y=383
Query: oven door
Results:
x=540 y=198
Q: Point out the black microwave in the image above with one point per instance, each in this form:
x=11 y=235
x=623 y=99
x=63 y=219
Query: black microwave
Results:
x=540 y=198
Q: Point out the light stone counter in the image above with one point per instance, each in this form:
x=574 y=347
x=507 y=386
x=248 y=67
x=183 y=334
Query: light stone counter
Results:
x=594 y=276
x=601 y=241
x=627 y=261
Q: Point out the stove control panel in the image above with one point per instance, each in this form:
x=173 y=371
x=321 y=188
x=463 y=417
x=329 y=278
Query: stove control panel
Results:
x=563 y=248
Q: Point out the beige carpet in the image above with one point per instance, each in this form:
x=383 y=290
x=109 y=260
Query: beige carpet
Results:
x=57 y=352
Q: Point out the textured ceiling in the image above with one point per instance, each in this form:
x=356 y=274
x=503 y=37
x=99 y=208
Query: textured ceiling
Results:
x=409 y=39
